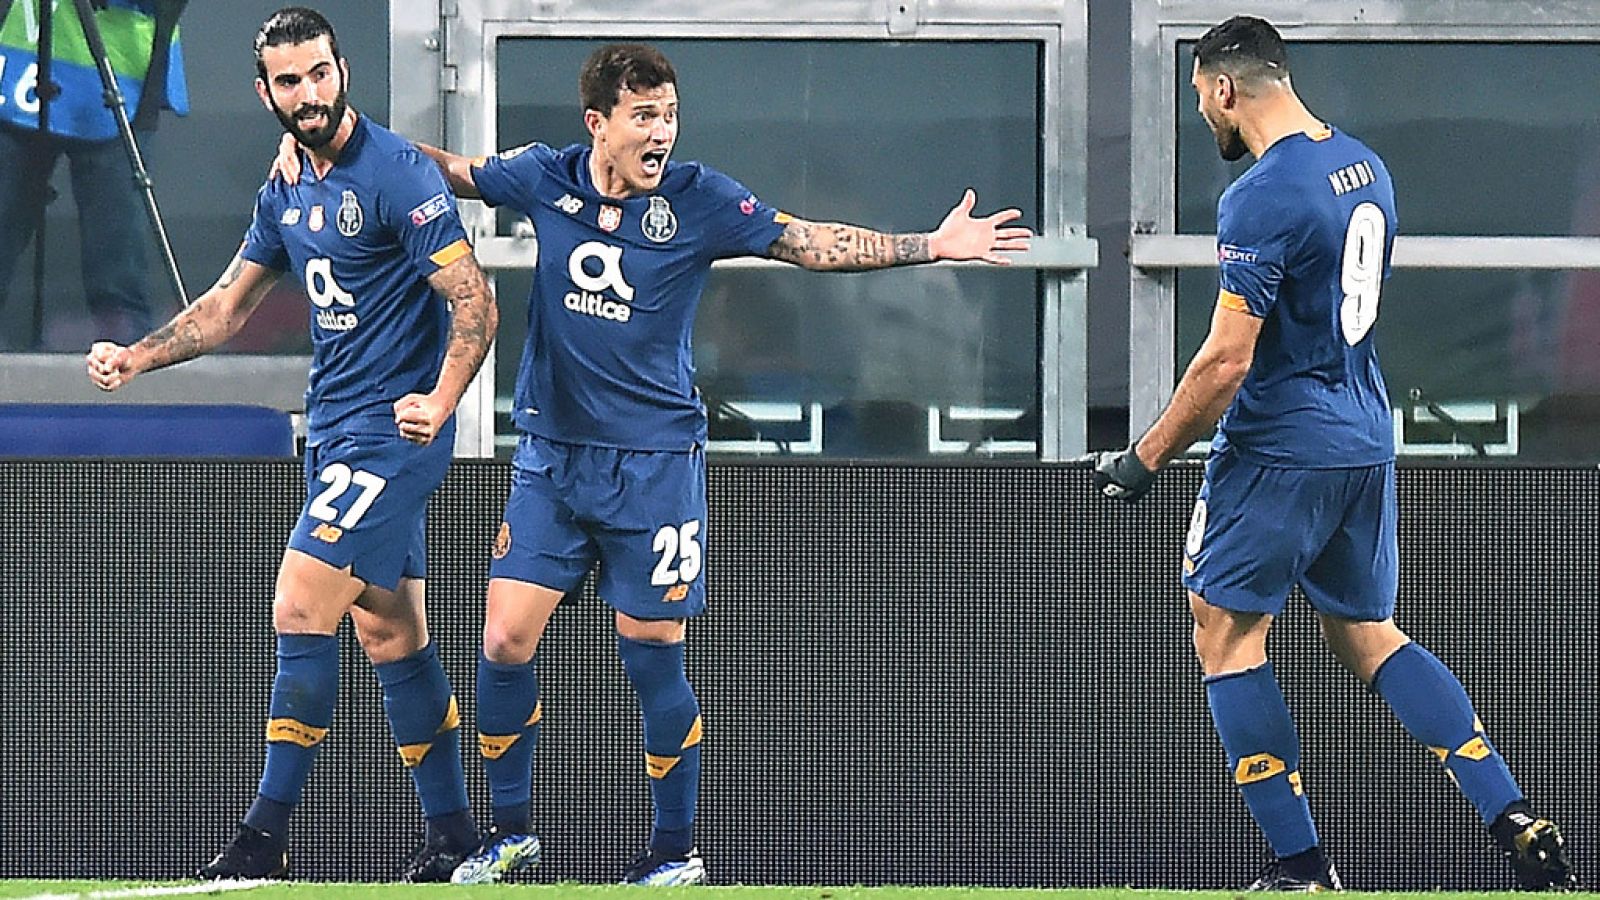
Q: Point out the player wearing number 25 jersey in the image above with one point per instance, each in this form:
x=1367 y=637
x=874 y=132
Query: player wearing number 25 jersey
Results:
x=611 y=469
x=1300 y=483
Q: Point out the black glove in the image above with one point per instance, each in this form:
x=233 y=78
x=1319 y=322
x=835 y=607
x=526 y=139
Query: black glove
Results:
x=1121 y=476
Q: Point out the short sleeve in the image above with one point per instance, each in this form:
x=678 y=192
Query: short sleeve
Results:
x=511 y=177
x=418 y=206
x=739 y=223
x=263 y=243
x=1253 y=241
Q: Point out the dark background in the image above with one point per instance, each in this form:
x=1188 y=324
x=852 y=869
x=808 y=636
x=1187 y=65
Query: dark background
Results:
x=909 y=675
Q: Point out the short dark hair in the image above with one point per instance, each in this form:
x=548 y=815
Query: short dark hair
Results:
x=607 y=71
x=1245 y=47
x=292 y=25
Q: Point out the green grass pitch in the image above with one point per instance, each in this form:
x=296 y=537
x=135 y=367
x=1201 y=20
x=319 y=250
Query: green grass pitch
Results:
x=110 y=890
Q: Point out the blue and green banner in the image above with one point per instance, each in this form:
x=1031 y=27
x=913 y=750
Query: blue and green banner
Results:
x=128 y=28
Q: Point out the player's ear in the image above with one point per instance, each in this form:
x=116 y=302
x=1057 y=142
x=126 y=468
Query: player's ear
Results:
x=1227 y=90
x=594 y=121
x=344 y=72
x=264 y=94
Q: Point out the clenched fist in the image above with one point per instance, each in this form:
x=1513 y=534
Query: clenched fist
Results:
x=110 y=365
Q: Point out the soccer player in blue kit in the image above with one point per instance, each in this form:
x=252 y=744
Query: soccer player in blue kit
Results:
x=401 y=318
x=1299 y=484
x=611 y=465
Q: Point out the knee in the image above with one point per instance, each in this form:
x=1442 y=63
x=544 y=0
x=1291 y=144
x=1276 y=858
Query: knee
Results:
x=1204 y=635
x=293 y=616
x=1225 y=641
x=509 y=642
x=1210 y=647
x=386 y=641
x=1362 y=647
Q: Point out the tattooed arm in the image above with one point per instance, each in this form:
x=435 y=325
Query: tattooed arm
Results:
x=202 y=327
x=473 y=320
x=832 y=247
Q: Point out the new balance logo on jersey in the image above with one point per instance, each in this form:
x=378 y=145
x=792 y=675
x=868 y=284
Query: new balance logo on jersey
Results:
x=326 y=293
x=569 y=204
x=590 y=299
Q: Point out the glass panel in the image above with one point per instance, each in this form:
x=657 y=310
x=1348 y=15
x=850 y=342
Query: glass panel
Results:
x=839 y=365
x=1480 y=142
x=1479 y=138
x=206 y=168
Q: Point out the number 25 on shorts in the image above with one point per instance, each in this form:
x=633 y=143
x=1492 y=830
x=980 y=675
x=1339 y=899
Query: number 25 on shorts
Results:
x=679 y=546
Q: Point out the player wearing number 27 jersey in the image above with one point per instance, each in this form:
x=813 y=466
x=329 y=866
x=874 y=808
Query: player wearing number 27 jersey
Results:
x=401 y=318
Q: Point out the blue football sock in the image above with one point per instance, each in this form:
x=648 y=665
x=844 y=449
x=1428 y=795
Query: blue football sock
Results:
x=1431 y=703
x=1264 y=755
x=426 y=724
x=304 y=690
x=509 y=712
x=672 y=733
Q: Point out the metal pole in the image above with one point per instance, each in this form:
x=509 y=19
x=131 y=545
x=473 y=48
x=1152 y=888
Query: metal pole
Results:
x=141 y=178
x=46 y=91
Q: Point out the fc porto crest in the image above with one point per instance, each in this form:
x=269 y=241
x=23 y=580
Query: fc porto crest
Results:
x=314 y=220
x=658 y=223
x=610 y=217
x=348 y=218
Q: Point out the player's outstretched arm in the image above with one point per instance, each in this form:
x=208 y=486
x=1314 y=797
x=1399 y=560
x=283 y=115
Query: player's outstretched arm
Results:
x=833 y=247
x=473 y=320
x=202 y=327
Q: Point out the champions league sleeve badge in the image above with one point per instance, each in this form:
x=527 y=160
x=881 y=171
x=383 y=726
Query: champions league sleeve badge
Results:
x=658 y=222
x=348 y=218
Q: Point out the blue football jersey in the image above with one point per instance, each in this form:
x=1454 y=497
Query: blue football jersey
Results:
x=364 y=240
x=1304 y=241
x=611 y=314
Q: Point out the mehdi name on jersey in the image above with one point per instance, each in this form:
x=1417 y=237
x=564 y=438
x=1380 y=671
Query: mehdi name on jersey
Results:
x=1353 y=177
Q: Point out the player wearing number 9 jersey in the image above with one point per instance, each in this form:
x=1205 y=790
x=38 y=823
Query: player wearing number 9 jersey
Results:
x=1299 y=484
x=401 y=318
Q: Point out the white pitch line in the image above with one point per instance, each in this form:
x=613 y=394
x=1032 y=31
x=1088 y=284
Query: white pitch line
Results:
x=211 y=887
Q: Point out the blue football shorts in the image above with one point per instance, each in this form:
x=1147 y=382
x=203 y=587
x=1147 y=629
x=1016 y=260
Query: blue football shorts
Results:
x=367 y=503
x=1258 y=531
x=640 y=515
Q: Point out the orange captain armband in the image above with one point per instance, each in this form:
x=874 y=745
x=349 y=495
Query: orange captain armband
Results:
x=1230 y=301
x=450 y=254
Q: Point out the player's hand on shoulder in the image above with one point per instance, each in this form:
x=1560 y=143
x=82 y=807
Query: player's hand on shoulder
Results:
x=989 y=238
x=110 y=365
x=420 y=417
x=286 y=165
x=1121 y=475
